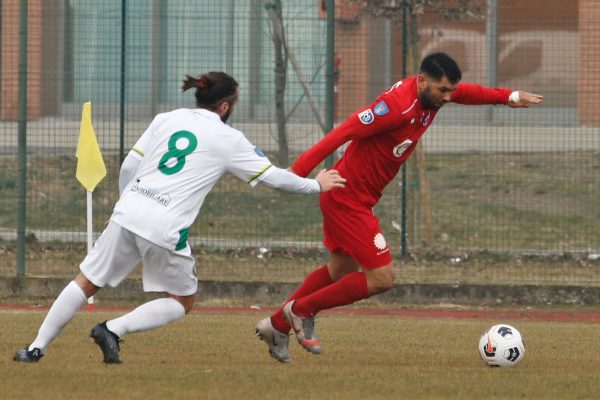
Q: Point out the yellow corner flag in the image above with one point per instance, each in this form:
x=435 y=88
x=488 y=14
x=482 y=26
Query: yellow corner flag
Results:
x=90 y=165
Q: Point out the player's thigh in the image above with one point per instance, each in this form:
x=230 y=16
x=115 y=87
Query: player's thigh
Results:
x=112 y=258
x=355 y=231
x=168 y=271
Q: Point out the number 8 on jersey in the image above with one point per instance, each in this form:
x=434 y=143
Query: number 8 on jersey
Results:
x=178 y=154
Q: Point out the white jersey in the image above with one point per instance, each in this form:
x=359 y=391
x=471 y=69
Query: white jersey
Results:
x=184 y=154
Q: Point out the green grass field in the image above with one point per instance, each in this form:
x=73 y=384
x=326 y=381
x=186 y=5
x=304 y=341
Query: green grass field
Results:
x=365 y=357
x=516 y=201
x=507 y=203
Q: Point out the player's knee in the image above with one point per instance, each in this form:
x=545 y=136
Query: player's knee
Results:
x=390 y=279
x=387 y=281
x=88 y=288
x=381 y=280
x=187 y=302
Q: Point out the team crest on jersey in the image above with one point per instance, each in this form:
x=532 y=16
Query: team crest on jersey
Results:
x=399 y=149
x=381 y=108
x=259 y=153
x=366 y=117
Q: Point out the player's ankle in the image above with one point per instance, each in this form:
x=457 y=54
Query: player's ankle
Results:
x=279 y=323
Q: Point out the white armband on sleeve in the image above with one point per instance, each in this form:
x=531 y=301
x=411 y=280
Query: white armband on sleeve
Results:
x=514 y=97
x=128 y=169
x=288 y=181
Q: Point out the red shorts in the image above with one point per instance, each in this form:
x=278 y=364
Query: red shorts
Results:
x=353 y=229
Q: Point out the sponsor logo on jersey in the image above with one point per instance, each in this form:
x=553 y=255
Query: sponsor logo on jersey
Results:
x=162 y=199
x=259 y=153
x=379 y=241
x=366 y=117
x=381 y=108
x=425 y=118
x=399 y=149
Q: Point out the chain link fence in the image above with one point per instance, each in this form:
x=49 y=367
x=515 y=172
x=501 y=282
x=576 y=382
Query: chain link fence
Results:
x=490 y=183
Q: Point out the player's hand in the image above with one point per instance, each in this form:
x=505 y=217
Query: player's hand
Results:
x=525 y=100
x=330 y=179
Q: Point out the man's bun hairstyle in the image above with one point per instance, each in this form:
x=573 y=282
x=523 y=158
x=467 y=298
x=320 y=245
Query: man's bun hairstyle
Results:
x=211 y=88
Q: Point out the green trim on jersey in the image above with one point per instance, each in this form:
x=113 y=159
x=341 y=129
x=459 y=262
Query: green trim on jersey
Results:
x=140 y=152
x=262 y=171
x=183 y=237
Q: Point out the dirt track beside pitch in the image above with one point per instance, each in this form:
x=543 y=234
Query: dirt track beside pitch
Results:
x=589 y=316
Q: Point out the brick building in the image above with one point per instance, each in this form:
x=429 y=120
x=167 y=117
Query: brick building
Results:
x=549 y=46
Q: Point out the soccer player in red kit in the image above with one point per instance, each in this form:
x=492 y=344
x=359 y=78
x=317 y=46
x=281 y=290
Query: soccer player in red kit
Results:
x=382 y=135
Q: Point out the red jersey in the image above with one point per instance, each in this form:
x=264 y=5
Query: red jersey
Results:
x=383 y=135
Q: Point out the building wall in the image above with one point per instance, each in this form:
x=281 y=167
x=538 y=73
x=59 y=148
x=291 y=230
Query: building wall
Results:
x=539 y=50
x=351 y=43
x=9 y=77
x=546 y=46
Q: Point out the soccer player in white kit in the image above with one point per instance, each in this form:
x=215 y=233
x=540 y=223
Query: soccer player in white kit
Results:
x=163 y=182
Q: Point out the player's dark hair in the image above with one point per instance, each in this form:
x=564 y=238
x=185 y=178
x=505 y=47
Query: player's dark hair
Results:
x=212 y=88
x=439 y=65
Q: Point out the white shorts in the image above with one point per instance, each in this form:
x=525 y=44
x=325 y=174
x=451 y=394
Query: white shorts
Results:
x=117 y=251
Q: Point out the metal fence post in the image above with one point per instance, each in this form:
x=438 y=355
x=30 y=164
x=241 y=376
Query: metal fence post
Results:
x=403 y=241
x=491 y=41
x=22 y=141
x=122 y=82
x=329 y=83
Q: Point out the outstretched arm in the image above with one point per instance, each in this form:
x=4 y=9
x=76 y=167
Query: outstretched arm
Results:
x=288 y=181
x=469 y=93
x=524 y=99
x=252 y=166
x=327 y=145
x=363 y=123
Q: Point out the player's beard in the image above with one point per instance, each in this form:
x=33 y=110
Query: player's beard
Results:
x=427 y=100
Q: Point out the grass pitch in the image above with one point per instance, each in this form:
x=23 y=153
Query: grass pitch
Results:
x=217 y=356
x=503 y=201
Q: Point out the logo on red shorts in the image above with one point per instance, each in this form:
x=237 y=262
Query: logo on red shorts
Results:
x=379 y=241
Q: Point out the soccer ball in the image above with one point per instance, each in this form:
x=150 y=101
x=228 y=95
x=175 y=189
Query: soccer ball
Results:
x=501 y=346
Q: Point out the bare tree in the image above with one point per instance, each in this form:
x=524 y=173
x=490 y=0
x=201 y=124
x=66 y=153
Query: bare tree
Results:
x=394 y=10
x=284 y=54
x=274 y=9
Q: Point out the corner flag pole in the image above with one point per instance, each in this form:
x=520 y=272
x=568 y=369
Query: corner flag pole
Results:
x=90 y=170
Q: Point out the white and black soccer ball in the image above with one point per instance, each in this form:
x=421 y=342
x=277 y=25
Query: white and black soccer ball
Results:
x=502 y=346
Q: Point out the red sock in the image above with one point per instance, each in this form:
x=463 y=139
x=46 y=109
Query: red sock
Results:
x=347 y=290
x=317 y=279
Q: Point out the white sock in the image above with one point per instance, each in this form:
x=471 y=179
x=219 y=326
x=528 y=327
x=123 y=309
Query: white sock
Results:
x=64 y=308
x=154 y=314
